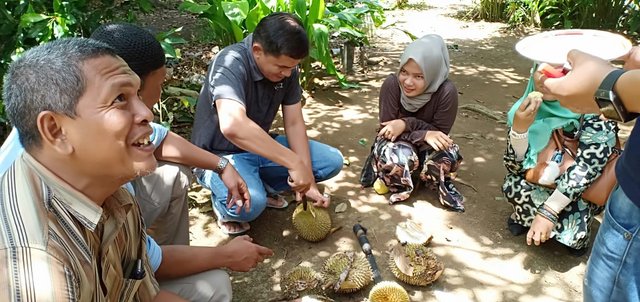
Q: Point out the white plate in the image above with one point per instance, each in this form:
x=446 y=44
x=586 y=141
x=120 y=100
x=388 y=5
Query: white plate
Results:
x=552 y=46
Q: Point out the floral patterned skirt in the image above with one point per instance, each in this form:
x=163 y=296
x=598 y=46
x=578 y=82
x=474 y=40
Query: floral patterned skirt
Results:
x=573 y=227
x=395 y=162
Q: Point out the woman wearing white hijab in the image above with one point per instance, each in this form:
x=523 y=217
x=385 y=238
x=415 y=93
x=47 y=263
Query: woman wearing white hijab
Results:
x=418 y=107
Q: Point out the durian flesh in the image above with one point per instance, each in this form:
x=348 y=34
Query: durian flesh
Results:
x=314 y=224
x=388 y=291
x=420 y=266
x=359 y=272
x=299 y=281
x=413 y=232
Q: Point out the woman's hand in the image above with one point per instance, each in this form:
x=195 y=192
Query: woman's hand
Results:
x=392 y=129
x=438 y=140
x=526 y=113
x=238 y=193
x=540 y=230
x=632 y=59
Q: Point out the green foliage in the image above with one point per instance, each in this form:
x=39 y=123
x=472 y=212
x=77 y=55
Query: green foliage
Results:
x=24 y=24
x=169 y=40
x=354 y=21
x=618 y=15
x=231 y=21
x=489 y=10
x=524 y=12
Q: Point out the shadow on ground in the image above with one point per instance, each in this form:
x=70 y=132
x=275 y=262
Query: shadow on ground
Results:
x=483 y=261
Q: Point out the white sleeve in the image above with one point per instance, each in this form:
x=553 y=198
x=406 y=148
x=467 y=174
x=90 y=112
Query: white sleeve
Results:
x=519 y=143
x=557 y=201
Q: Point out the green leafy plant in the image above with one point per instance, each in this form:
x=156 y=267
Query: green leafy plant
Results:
x=489 y=10
x=26 y=23
x=168 y=40
x=231 y=21
x=617 y=15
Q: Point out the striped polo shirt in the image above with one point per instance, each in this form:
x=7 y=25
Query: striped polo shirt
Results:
x=57 y=245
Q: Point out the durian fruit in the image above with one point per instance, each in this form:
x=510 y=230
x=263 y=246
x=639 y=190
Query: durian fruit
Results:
x=380 y=187
x=535 y=95
x=388 y=291
x=352 y=267
x=415 y=264
x=413 y=232
x=313 y=224
x=301 y=281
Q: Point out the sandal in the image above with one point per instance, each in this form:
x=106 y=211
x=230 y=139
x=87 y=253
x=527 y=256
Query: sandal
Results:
x=281 y=200
x=244 y=226
x=223 y=225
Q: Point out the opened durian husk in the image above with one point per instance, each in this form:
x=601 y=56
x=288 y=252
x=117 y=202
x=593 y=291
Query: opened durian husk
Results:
x=300 y=281
x=415 y=264
x=413 y=232
x=346 y=272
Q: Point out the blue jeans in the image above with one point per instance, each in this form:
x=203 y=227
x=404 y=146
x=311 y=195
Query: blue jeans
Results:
x=613 y=270
x=266 y=177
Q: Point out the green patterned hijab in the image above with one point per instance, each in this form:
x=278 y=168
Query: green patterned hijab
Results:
x=551 y=115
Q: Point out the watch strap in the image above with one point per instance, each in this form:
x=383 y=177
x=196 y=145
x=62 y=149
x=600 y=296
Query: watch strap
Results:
x=222 y=163
x=605 y=91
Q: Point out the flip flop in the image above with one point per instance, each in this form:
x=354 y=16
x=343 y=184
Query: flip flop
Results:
x=244 y=227
x=281 y=199
x=220 y=222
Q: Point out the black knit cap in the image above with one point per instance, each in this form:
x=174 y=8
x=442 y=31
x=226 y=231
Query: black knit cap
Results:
x=135 y=45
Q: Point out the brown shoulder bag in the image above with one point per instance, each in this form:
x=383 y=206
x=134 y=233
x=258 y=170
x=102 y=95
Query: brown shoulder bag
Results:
x=599 y=190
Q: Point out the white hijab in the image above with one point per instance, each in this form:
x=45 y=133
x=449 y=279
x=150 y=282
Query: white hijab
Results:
x=430 y=53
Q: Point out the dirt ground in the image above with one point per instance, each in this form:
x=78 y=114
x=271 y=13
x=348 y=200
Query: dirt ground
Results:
x=483 y=261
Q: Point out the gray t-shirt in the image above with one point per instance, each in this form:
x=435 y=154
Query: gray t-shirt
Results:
x=234 y=75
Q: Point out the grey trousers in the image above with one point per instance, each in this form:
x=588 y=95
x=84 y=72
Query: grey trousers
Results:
x=209 y=286
x=162 y=196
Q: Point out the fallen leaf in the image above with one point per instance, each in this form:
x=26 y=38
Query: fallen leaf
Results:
x=341 y=208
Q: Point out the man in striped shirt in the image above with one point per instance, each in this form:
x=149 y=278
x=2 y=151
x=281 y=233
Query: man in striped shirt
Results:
x=68 y=231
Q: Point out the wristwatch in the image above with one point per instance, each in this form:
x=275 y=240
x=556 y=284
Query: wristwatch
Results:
x=222 y=163
x=610 y=104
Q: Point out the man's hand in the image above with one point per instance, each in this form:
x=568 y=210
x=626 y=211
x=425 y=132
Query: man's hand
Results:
x=526 y=113
x=238 y=193
x=392 y=129
x=576 y=90
x=438 y=140
x=540 y=230
x=319 y=199
x=301 y=178
x=243 y=255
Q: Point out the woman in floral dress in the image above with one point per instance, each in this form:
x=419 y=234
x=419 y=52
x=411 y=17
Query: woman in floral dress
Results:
x=418 y=106
x=560 y=213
